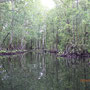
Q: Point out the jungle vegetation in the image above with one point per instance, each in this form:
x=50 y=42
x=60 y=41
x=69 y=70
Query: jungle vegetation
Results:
x=27 y=24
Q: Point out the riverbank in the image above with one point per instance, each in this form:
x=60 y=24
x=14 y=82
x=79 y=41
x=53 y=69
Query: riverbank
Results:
x=71 y=55
x=13 y=52
x=74 y=55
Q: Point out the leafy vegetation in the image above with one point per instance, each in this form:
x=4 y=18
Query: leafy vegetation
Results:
x=26 y=24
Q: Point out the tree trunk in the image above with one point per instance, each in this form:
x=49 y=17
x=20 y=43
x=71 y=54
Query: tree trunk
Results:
x=4 y=39
x=85 y=34
x=57 y=39
x=12 y=25
x=73 y=33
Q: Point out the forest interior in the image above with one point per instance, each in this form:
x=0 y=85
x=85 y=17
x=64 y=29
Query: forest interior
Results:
x=58 y=26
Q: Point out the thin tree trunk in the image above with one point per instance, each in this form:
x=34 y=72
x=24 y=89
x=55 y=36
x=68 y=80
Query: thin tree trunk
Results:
x=22 y=46
x=44 y=37
x=76 y=31
x=73 y=25
x=85 y=34
x=77 y=25
x=12 y=23
x=5 y=39
x=43 y=41
x=53 y=36
x=57 y=39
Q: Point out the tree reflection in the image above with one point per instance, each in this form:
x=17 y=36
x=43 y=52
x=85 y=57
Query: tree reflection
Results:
x=43 y=72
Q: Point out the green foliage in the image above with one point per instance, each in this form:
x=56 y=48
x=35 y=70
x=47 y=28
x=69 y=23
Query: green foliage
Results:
x=27 y=20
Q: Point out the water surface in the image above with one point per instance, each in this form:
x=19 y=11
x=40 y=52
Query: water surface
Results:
x=35 y=71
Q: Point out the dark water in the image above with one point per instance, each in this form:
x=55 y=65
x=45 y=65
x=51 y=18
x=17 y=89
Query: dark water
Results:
x=43 y=72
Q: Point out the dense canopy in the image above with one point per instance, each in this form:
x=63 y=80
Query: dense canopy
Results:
x=28 y=24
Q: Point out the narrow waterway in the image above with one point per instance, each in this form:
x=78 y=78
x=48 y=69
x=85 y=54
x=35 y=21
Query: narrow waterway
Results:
x=35 y=71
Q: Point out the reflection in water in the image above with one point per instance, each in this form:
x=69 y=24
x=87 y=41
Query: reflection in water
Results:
x=35 y=71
